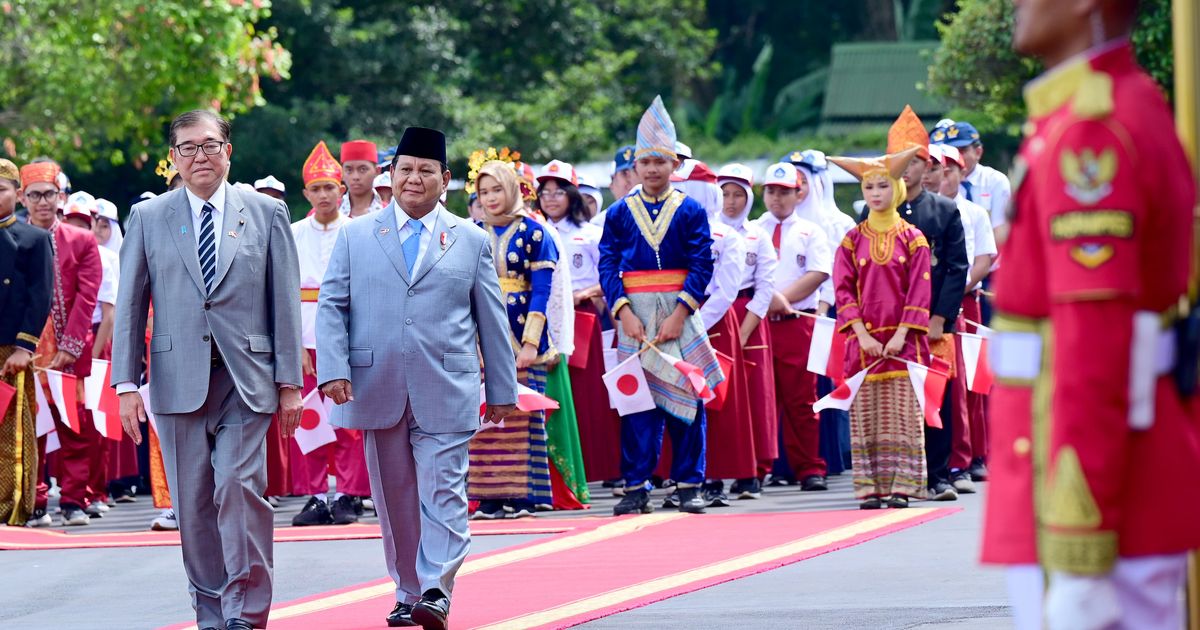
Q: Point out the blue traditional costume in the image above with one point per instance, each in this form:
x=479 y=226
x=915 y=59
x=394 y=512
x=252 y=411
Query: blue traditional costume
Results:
x=654 y=255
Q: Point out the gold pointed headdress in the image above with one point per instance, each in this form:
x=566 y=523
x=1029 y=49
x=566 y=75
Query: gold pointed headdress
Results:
x=908 y=131
x=891 y=165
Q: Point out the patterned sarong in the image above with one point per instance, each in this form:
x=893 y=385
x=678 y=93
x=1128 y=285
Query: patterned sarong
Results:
x=887 y=440
x=511 y=461
x=669 y=387
x=18 y=448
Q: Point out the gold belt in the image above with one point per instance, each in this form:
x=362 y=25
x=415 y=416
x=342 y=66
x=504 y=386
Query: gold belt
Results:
x=513 y=285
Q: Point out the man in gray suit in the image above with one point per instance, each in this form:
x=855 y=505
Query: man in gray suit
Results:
x=220 y=267
x=409 y=295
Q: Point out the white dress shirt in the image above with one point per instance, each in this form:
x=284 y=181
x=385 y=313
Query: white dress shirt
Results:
x=582 y=252
x=803 y=247
x=314 y=246
x=729 y=262
x=428 y=221
x=218 y=203
x=110 y=262
x=759 y=274
x=990 y=189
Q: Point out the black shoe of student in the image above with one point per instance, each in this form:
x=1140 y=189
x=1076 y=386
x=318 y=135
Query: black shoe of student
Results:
x=343 y=511
x=750 y=488
x=690 y=501
x=870 y=503
x=672 y=500
x=943 y=491
x=401 y=616
x=634 y=502
x=433 y=609
x=490 y=510
x=780 y=480
x=714 y=495
x=315 y=512
x=978 y=470
x=612 y=483
x=898 y=501
x=813 y=483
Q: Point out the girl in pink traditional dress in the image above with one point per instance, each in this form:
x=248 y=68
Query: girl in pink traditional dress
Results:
x=881 y=280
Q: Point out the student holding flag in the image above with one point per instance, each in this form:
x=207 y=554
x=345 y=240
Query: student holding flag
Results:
x=655 y=261
x=881 y=274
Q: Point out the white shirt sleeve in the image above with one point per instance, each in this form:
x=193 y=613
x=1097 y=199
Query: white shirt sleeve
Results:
x=985 y=236
x=727 y=276
x=764 y=277
x=820 y=256
x=1000 y=188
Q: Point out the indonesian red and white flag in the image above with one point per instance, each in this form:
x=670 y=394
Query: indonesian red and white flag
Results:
x=980 y=377
x=62 y=392
x=102 y=401
x=315 y=430
x=695 y=376
x=930 y=387
x=827 y=352
x=628 y=391
x=843 y=396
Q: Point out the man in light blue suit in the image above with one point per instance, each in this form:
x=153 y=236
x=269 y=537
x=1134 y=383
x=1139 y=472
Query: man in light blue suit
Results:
x=409 y=300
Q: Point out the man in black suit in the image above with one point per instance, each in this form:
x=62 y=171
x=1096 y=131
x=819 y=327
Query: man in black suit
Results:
x=26 y=284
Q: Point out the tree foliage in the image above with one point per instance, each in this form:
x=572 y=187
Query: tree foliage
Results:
x=97 y=81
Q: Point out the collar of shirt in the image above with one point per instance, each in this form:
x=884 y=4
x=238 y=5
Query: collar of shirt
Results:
x=332 y=225
x=655 y=200
x=771 y=219
x=197 y=204
x=428 y=221
x=376 y=203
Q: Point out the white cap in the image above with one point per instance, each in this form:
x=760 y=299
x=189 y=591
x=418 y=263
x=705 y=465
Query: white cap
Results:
x=557 y=169
x=951 y=154
x=585 y=182
x=781 y=174
x=383 y=180
x=270 y=183
x=146 y=195
x=737 y=171
x=80 y=204
x=945 y=122
x=62 y=181
x=935 y=153
x=106 y=209
x=682 y=151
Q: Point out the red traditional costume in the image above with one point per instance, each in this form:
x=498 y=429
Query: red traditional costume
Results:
x=1092 y=458
x=882 y=281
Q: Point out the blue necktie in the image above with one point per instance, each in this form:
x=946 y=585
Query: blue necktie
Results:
x=967 y=187
x=412 y=244
x=207 y=247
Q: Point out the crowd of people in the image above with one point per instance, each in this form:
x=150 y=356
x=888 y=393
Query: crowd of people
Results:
x=675 y=263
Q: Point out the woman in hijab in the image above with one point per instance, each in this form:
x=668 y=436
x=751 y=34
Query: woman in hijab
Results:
x=881 y=278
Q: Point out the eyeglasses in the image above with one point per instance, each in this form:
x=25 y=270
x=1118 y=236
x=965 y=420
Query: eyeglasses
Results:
x=38 y=197
x=553 y=194
x=209 y=148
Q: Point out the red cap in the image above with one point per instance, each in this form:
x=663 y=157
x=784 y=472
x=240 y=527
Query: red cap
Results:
x=356 y=150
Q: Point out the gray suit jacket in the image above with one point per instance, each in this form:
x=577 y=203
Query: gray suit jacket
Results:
x=397 y=338
x=253 y=314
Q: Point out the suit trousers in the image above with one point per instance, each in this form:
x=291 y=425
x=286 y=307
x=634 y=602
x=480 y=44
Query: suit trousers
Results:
x=215 y=459
x=419 y=485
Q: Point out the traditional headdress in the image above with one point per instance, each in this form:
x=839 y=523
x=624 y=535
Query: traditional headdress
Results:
x=656 y=133
x=8 y=170
x=359 y=150
x=166 y=170
x=321 y=167
x=39 y=173
x=908 y=131
x=420 y=142
x=507 y=156
x=890 y=167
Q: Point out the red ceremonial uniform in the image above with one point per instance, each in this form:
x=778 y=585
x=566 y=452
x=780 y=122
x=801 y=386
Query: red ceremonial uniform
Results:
x=1101 y=230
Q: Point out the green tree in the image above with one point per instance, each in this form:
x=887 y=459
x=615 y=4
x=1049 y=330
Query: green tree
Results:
x=98 y=81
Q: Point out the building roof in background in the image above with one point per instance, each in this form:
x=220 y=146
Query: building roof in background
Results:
x=871 y=82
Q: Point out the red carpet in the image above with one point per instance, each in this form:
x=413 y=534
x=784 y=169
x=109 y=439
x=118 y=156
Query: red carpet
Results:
x=622 y=564
x=13 y=538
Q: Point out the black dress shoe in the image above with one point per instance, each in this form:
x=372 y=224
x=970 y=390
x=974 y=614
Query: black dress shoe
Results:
x=898 y=501
x=813 y=483
x=871 y=503
x=431 y=612
x=401 y=616
x=315 y=512
x=343 y=511
x=238 y=624
x=634 y=502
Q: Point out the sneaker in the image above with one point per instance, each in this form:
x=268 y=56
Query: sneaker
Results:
x=814 y=483
x=780 y=480
x=367 y=504
x=672 y=500
x=714 y=494
x=55 y=491
x=690 y=501
x=110 y=502
x=73 y=516
x=39 y=518
x=962 y=483
x=746 y=488
x=125 y=497
x=166 y=522
x=521 y=508
x=96 y=508
x=612 y=483
x=343 y=511
x=489 y=511
x=663 y=484
x=943 y=491
x=315 y=512
x=618 y=488
x=978 y=471
x=634 y=502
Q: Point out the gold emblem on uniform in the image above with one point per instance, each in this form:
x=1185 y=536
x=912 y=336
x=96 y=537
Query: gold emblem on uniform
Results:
x=1088 y=175
x=1092 y=255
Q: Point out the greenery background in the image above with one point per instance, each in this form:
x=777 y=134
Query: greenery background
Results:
x=95 y=86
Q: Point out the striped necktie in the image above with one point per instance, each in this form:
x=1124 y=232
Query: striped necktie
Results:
x=207 y=247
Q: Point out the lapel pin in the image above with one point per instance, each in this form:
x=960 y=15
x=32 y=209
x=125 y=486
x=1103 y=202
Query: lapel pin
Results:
x=443 y=240
x=183 y=229
x=383 y=231
x=231 y=234
x=241 y=222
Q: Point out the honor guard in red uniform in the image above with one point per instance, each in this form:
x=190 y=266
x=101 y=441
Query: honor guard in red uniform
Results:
x=1090 y=431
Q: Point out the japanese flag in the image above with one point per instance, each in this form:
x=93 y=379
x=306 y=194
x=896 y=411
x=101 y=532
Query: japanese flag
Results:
x=314 y=430
x=62 y=392
x=843 y=396
x=694 y=374
x=528 y=400
x=827 y=353
x=930 y=387
x=102 y=401
x=975 y=361
x=44 y=421
x=627 y=388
